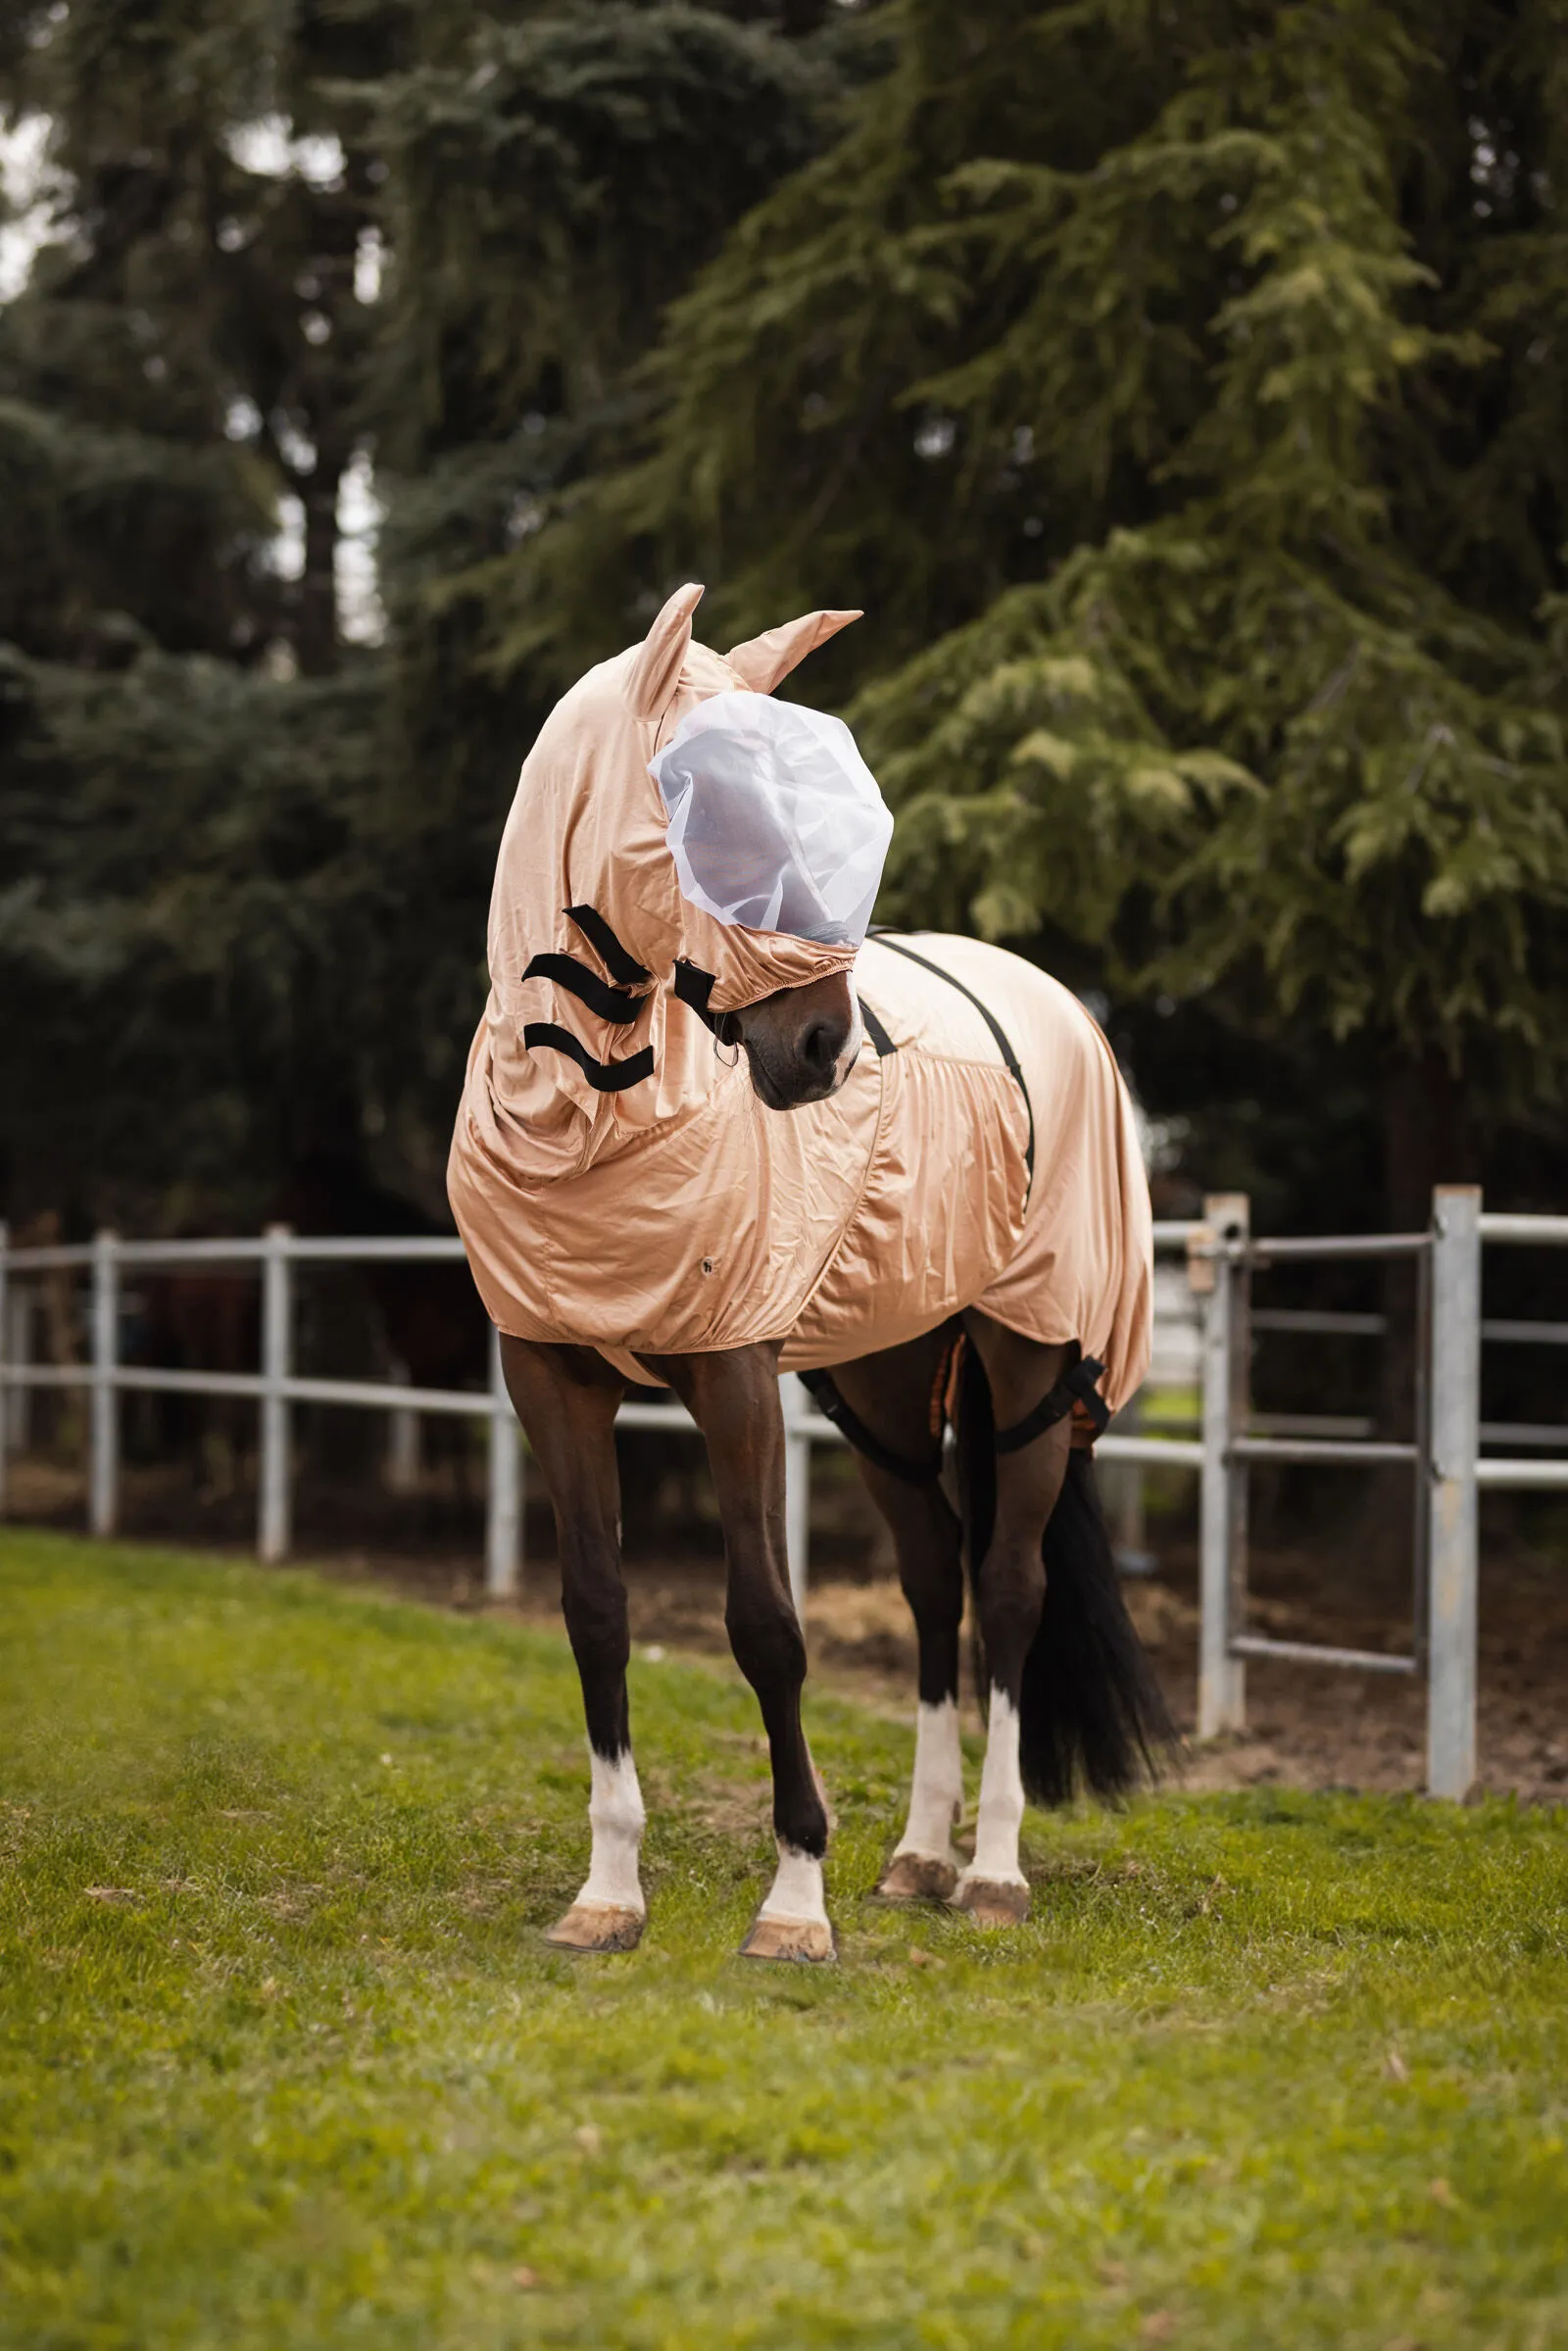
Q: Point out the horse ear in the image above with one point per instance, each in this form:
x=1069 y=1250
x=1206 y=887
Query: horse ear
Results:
x=763 y=661
x=656 y=671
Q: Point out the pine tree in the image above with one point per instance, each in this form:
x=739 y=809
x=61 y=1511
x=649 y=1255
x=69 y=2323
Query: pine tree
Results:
x=243 y=857
x=1184 y=396
x=550 y=188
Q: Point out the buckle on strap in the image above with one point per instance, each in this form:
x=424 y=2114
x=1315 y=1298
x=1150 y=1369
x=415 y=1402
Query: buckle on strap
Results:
x=1075 y=1388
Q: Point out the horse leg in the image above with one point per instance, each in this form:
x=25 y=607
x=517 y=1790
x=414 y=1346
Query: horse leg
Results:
x=566 y=1398
x=892 y=1393
x=1010 y=1580
x=733 y=1397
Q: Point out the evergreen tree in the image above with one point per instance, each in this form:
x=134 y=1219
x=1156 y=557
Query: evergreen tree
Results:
x=551 y=189
x=1197 y=385
x=243 y=858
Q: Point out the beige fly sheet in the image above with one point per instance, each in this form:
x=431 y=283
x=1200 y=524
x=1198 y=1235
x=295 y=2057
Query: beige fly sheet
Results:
x=614 y=1177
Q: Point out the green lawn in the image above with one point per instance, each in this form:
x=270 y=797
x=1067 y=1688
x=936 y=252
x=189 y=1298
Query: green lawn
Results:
x=284 y=2062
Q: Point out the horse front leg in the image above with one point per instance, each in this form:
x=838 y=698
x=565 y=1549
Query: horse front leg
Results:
x=734 y=1399
x=566 y=1399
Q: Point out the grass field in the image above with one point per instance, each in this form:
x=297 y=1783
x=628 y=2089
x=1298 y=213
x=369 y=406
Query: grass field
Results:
x=285 y=2062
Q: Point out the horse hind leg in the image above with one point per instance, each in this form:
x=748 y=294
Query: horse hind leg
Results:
x=891 y=1393
x=924 y=1863
x=1007 y=1500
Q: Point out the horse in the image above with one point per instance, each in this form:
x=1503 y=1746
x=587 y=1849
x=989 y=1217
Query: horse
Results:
x=915 y=1179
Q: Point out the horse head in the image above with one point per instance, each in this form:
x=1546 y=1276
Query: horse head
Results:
x=800 y=1043
x=777 y=832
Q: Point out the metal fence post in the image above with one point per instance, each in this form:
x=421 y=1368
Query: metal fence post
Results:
x=103 y=1459
x=403 y=1436
x=16 y=1340
x=1122 y=1485
x=502 y=1543
x=1452 y=1561
x=274 y=1479
x=797 y=1491
x=1222 y=1539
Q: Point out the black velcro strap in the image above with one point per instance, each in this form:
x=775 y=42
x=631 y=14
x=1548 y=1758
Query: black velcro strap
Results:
x=1075 y=1387
x=876 y=1032
x=602 y=938
x=605 y=1077
x=610 y=1004
x=853 y=1429
x=1004 y=1046
x=694 y=987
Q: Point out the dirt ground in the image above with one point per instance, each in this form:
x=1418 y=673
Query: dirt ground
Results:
x=1308 y=1727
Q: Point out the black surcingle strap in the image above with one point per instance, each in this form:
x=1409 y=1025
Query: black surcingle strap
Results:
x=609 y=1004
x=875 y=1031
x=606 y=1003
x=1075 y=1387
x=602 y=938
x=853 y=1429
x=1009 y=1059
x=605 y=1077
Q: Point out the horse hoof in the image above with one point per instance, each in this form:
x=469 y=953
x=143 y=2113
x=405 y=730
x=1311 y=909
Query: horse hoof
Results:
x=806 y=1939
x=597 y=1926
x=918 y=1878
x=993 y=1903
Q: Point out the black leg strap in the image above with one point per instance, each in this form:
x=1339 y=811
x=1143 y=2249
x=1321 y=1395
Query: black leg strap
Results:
x=853 y=1429
x=1075 y=1387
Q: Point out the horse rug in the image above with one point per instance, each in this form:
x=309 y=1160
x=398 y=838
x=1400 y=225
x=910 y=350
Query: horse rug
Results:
x=614 y=1177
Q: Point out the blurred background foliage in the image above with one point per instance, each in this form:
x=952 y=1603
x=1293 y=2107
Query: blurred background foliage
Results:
x=1182 y=390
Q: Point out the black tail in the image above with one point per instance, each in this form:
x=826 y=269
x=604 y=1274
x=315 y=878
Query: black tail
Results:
x=1091 y=1712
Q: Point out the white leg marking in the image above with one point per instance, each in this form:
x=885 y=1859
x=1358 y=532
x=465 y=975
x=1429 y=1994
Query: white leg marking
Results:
x=1000 y=1817
x=616 y=1816
x=796 y=1894
x=849 y=1052
x=936 y=1798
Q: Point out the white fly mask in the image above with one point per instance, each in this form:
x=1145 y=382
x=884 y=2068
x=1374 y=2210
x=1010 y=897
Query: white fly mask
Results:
x=775 y=820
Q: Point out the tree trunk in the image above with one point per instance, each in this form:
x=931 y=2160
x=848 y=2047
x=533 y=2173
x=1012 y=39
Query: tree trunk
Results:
x=1427 y=1139
x=316 y=634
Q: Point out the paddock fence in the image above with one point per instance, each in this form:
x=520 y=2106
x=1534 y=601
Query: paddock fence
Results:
x=1206 y=1323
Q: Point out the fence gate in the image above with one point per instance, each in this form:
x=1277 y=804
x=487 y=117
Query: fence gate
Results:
x=1449 y=1454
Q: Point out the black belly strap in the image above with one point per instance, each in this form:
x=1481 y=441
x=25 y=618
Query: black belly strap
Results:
x=853 y=1429
x=1075 y=1387
x=1009 y=1059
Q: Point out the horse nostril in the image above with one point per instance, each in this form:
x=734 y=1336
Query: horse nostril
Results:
x=821 y=1046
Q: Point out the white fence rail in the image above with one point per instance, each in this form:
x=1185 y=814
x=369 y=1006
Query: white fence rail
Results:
x=1446 y=1453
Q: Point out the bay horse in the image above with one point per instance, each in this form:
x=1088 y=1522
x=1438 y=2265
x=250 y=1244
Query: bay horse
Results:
x=916 y=1182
